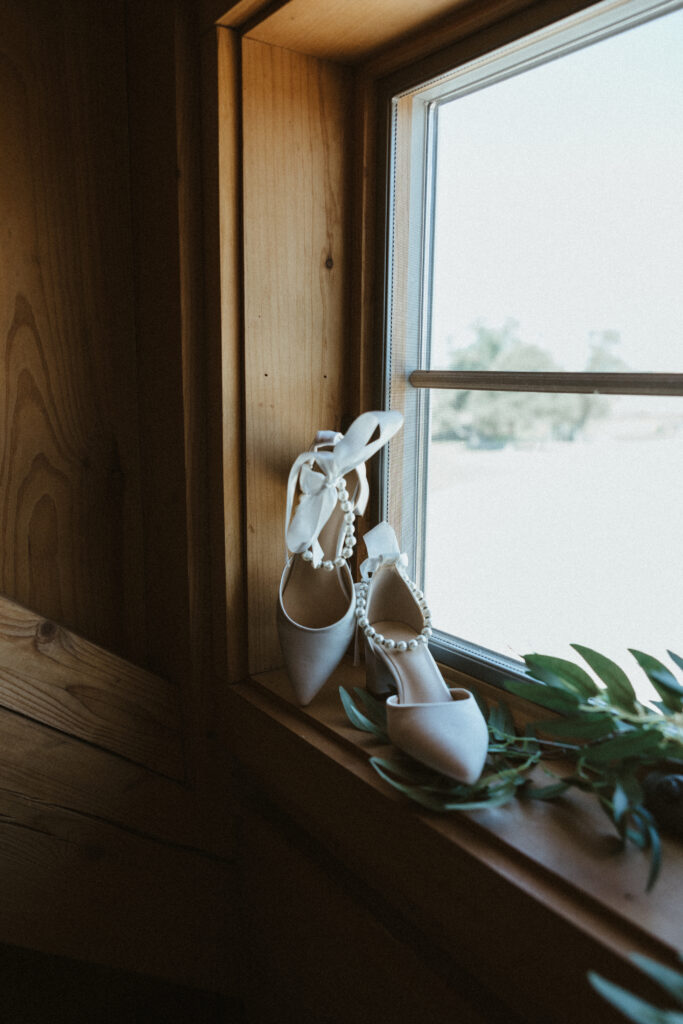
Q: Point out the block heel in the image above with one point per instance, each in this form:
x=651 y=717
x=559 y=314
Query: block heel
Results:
x=378 y=679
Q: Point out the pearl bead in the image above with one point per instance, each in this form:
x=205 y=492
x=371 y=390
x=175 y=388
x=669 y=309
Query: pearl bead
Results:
x=329 y=566
x=351 y=540
x=369 y=632
x=426 y=632
x=346 y=506
x=348 y=517
x=339 y=561
x=363 y=622
x=343 y=494
x=401 y=645
x=347 y=552
x=389 y=644
x=379 y=638
x=412 y=645
x=307 y=556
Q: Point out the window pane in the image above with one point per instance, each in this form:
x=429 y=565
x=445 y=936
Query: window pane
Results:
x=534 y=542
x=558 y=232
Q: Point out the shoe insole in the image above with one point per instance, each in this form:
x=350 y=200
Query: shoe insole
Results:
x=316 y=598
x=416 y=675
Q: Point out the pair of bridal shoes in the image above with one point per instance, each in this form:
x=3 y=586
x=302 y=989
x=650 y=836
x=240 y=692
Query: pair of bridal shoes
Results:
x=319 y=609
x=316 y=602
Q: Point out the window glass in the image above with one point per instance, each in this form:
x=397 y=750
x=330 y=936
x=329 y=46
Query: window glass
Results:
x=535 y=540
x=559 y=213
x=540 y=228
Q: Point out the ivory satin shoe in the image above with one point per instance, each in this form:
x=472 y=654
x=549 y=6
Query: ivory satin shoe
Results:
x=316 y=601
x=441 y=727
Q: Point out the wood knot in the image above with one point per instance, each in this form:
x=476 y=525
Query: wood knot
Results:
x=47 y=631
x=329 y=263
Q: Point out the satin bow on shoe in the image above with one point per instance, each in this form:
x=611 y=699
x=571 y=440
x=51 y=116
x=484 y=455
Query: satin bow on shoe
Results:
x=316 y=602
x=319 y=486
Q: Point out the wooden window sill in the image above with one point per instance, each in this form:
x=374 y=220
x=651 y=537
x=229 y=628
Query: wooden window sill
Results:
x=528 y=891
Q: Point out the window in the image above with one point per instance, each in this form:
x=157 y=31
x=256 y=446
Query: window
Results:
x=534 y=317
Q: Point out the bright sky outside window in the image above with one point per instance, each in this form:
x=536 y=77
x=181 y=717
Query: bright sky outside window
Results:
x=557 y=245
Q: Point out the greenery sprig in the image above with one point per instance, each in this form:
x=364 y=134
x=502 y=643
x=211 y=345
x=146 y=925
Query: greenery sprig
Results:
x=610 y=737
x=638 y=1010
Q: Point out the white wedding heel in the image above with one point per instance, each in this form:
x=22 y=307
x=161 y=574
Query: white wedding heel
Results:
x=441 y=727
x=316 y=602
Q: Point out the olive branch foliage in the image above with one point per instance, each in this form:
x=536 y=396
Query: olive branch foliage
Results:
x=608 y=736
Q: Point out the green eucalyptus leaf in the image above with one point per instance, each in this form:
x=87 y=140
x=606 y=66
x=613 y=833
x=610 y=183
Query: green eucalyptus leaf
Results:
x=619 y=688
x=498 y=799
x=500 y=721
x=632 y=787
x=481 y=703
x=415 y=773
x=620 y=803
x=586 y=727
x=547 y=696
x=565 y=672
x=640 y=743
x=664 y=681
x=655 y=859
x=358 y=719
x=633 y=1008
x=671 y=981
x=375 y=710
x=676 y=658
x=442 y=801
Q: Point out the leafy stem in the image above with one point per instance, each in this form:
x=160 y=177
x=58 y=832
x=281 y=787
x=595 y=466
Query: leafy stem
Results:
x=611 y=738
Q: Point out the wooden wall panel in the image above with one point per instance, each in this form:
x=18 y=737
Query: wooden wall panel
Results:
x=70 y=684
x=70 y=531
x=83 y=888
x=321 y=947
x=156 y=258
x=296 y=130
x=56 y=770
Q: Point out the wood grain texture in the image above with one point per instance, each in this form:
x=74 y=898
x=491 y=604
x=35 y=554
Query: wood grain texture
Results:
x=223 y=284
x=206 y=583
x=236 y=15
x=86 y=889
x=296 y=140
x=347 y=30
x=434 y=34
x=157 y=249
x=54 y=676
x=70 y=531
x=49 y=767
